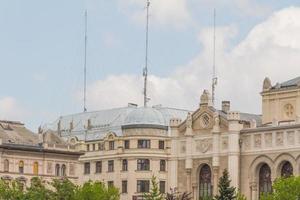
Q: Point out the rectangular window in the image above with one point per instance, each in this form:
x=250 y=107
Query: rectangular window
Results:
x=87 y=167
x=143 y=164
x=144 y=144
x=111 y=145
x=110 y=183
x=98 y=167
x=142 y=186
x=124 y=186
x=161 y=144
x=110 y=166
x=162 y=186
x=94 y=147
x=162 y=165
x=124 y=165
x=87 y=147
x=126 y=144
x=100 y=146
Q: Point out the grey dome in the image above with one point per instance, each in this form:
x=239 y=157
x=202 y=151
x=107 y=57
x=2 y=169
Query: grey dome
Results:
x=145 y=117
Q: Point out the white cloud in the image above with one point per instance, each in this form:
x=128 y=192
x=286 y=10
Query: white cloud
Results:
x=10 y=109
x=271 y=48
x=162 y=12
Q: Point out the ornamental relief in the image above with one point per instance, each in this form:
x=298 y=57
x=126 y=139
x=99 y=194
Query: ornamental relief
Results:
x=291 y=138
x=257 y=140
x=49 y=167
x=204 y=145
x=279 y=139
x=268 y=139
x=247 y=142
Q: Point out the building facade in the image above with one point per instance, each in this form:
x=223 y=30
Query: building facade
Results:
x=187 y=150
x=25 y=155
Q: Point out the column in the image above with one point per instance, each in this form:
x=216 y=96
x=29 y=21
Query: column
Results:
x=215 y=180
x=253 y=189
x=188 y=180
x=234 y=128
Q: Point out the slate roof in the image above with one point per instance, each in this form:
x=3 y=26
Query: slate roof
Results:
x=295 y=82
x=16 y=133
x=112 y=120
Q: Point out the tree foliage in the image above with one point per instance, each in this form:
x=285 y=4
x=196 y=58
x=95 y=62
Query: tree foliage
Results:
x=58 y=189
x=284 y=189
x=154 y=193
x=226 y=192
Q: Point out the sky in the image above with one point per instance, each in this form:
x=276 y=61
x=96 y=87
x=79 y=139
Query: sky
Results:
x=42 y=53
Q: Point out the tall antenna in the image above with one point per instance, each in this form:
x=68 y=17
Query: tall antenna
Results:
x=214 y=78
x=85 y=50
x=145 y=71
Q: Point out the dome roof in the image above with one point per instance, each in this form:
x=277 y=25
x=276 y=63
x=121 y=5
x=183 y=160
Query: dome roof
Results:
x=145 y=117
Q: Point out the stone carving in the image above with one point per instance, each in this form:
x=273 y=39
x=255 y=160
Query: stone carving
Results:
x=291 y=138
x=204 y=145
x=224 y=143
x=49 y=167
x=279 y=139
x=182 y=147
x=257 y=140
x=268 y=139
x=189 y=120
x=247 y=142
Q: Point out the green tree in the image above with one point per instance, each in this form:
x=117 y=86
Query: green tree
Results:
x=96 y=191
x=38 y=190
x=64 y=189
x=11 y=191
x=226 y=192
x=285 y=189
x=175 y=195
x=240 y=196
x=154 y=193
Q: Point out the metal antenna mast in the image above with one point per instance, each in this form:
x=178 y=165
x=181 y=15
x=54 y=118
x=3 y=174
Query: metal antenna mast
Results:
x=85 y=50
x=214 y=78
x=145 y=71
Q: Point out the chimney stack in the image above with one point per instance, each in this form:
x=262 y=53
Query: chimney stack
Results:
x=225 y=106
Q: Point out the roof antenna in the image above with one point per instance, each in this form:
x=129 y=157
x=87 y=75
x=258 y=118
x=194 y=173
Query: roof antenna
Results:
x=85 y=50
x=214 y=77
x=145 y=71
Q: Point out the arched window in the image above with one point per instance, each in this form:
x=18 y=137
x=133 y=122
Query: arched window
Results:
x=63 y=170
x=21 y=167
x=205 y=187
x=265 y=183
x=35 y=168
x=57 y=170
x=6 y=166
x=287 y=169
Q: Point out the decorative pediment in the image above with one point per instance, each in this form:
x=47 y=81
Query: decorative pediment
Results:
x=203 y=119
x=110 y=135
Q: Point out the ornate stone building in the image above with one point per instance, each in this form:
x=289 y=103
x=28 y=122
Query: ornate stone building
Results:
x=189 y=150
x=25 y=154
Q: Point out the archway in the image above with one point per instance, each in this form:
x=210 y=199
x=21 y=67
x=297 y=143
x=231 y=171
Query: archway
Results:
x=205 y=186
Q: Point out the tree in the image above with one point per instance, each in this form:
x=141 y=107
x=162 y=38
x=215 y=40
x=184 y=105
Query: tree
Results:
x=226 y=192
x=96 y=191
x=38 y=190
x=154 y=193
x=64 y=189
x=284 y=189
x=11 y=191
x=240 y=196
x=175 y=195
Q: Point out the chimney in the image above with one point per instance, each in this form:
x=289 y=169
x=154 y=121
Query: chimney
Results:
x=225 y=106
